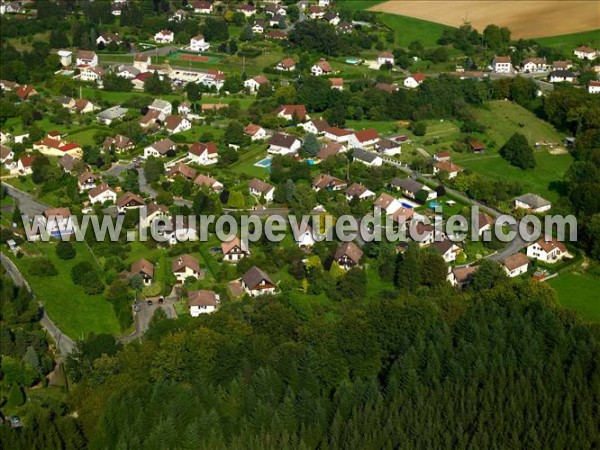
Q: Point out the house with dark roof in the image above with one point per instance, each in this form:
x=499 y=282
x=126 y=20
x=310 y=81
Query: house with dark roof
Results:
x=367 y=158
x=203 y=153
x=533 y=203
x=348 y=255
x=283 y=144
x=203 y=302
x=447 y=249
x=186 y=266
x=407 y=186
x=357 y=190
x=257 y=282
x=515 y=265
x=145 y=269
x=315 y=126
x=328 y=182
x=129 y=200
x=262 y=189
x=181 y=170
x=160 y=149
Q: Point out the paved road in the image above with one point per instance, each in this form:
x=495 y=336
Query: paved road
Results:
x=117 y=169
x=144 y=186
x=64 y=343
x=28 y=204
x=143 y=317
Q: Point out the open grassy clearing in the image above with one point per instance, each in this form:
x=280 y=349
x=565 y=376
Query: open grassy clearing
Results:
x=579 y=292
x=245 y=165
x=568 y=42
x=73 y=311
x=409 y=29
x=525 y=19
x=359 y=5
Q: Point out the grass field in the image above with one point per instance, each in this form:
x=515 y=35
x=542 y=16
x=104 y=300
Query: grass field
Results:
x=503 y=119
x=70 y=308
x=408 y=29
x=525 y=19
x=579 y=292
x=359 y=5
x=85 y=137
x=246 y=162
x=568 y=42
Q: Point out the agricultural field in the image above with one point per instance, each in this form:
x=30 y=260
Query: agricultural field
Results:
x=526 y=19
x=579 y=292
x=422 y=30
x=567 y=42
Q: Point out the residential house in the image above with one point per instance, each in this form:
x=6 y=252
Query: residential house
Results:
x=164 y=37
x=357 y=190
x=585 y=53
x=181 y=170
x=422 y=233
x=331 y=149
x=202 y=7
x=315 y=12
x=549 y=251
x=530 y=65
x=533 y=203
x=83 y=106
x=287 y=65
x=262 y=189
x=283 y=144
x=209 y=182
x=315 y=126
x=259 y=26
x=336 y=134
x=213 y=78
x=58 y=221
x=102 y=194
x=367 y=158
x=247 y=10
x=111 y=114
x=25 y=91
x=253 y=84
x=107 y=38
x=91 y=73
x=502 y=64
x=6 y=154
x=129 y=200
x=385 y=58
x=322 y=67
x=328 y=182
x=442 y=156
x=305 y=238
x=203 y=302
x=118 y=143
x=275 y=10
x=407 y=186
x=204 y=154
x=153 y=212
x=594 y=87
x=184 y=108
x=276 y=34
x=461 y=276
x=198 y=44
x=485 y=223
x=515 y=265
x=414 y=80
x=256 y=132
x=186 y=266
x=388 y=147
x=87 y=181
x=177 y=124
x=561 y=76
x=448 y=249
x=160 y=148
x=180 y=230
x=145 y=269
x=348 y=255
x=476 y=146
x=163 y=107
x=86 y=58
x=332 y=17
x=364 y=139
x=142 y=61
x=337 y=83
x=562 y=65
x=57 y=147
x=292 y=112
x=448 y=167
x=324 y=3
x=387 y=204
x=256 y=282
x=151 y=120
x=24 y=165
x=234 y=249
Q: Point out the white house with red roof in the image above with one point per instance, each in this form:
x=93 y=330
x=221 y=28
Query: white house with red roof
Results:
x=594 y=87
x=253 y=84
x=322 y=67
x=414 y=80
x=203 y=154
x=198 y=44
x=177 y=124
x=364 y=139
x=202 y=7
x=385 y=58
x=86 y=58
x=550 y=251
x=256 y=132
x=502 y=64
x=101 y=194
x=164 y=37
x=337 y=134
x=24 y=165
x=585 y=53
x=286 y=65
x=247 y=10
x=288 y=112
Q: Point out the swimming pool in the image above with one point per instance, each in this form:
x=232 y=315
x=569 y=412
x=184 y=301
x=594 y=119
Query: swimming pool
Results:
x=353 y=61
x=264 y=163
x=311 y=162
x=407 y=205
x=434 y=205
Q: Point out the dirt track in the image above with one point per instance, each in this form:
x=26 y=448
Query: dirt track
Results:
x=526 y=19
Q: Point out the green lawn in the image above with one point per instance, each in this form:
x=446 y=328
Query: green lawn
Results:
x=85 y=137
x=538 y=180
x=74 y=312
x=383 y=127
x=579 y=292
x=359 y=5
x=503 y=119
x=568 y=42
x=408 y=29
x=246 y=162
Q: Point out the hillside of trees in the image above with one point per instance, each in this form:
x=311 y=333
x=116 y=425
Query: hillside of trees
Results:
x=503 y=367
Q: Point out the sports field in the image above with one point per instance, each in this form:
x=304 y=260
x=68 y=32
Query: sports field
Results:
x=186 y=57
x=526 y=19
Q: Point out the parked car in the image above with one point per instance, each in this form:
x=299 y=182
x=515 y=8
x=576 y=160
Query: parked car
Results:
x=149 y=303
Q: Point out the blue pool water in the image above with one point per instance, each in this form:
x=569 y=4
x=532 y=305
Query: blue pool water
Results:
x=406 y=205
x=310 y=162
x=265 y=163
x=353 y=61
x=434 y=205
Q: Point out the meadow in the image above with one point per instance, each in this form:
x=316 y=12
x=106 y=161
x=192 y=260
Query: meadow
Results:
x=579 y=292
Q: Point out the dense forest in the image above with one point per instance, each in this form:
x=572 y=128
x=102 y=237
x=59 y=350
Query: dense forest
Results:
x=502 y=367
